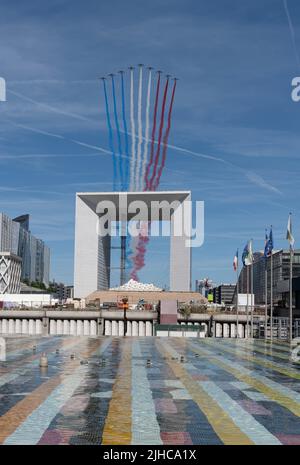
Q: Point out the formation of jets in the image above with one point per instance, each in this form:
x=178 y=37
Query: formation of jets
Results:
x=140 y=65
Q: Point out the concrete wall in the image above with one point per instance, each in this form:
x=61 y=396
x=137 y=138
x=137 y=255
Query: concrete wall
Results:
x=148 y=296
x=90 y=259
x=110 y=323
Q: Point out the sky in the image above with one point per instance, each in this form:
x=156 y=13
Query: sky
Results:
x=235 y=61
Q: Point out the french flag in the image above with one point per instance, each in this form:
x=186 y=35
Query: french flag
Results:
x=236 y=260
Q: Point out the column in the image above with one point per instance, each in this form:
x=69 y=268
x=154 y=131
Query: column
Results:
x=79 y=328
x=11 y=326
x=129 y=331
x=73 y=328
x=148 y=328
x=66 y=327
x=86 y=328
x=52 y=327
x=141 y=328
x=93 y=328
x=135 y=328
x=24 y=326
x=107 y=327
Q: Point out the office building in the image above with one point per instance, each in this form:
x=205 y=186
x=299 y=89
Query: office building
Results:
x=16 y=238
x=281 y=272
x=60 y=291
x=223 y=294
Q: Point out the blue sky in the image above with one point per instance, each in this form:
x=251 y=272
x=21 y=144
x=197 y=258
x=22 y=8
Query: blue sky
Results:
x=235 y=61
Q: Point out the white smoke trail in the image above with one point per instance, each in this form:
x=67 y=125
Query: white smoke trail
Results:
x=292 y=31
x=135 y=241
x=140 y=132
x=146 y=139
x=132 y=161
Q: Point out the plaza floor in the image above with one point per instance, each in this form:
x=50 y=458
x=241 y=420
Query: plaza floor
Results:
x=148 y=391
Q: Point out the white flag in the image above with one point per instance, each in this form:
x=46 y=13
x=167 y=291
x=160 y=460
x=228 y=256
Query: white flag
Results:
x=249 y=259
x=289 y=235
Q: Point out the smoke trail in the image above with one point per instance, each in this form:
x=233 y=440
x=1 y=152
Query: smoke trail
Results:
x=162 y=117
x=132 y=122
x=292 y=31
x=118 y=132
x=111 y=143
x=145 y=156
x=125 y=132
x=165 y=140
x=140 y=132
x=146 y=178
x=139 y=258
x=139 y=246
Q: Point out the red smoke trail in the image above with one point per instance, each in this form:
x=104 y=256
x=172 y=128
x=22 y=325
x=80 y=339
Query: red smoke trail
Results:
x=162 y=117
x=146 y=180
x=165 y=140
x=139 y=259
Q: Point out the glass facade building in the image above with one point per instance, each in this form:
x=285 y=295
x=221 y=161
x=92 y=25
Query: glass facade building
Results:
x=16 y=238
x=262 y=270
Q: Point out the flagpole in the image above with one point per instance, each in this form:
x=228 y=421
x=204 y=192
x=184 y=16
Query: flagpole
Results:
x=291 y=294
x=237 y=300
x=252 y=309
x=271 y=298
x=266 y=297
x=247 y=311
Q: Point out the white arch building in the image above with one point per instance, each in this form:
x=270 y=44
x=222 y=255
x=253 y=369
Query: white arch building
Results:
x=92 y=250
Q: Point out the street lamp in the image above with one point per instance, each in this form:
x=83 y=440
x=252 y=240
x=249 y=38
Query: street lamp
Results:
x=125 y=308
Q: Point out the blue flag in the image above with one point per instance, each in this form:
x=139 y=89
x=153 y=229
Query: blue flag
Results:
x=269 y=245
x=266 y=245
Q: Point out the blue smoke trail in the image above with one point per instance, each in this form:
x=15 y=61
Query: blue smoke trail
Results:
x=118 y=133
x=126 y=179
x=126 y=174
x=111 y=143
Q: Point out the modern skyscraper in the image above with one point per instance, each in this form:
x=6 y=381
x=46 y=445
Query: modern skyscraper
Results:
x=15 y=237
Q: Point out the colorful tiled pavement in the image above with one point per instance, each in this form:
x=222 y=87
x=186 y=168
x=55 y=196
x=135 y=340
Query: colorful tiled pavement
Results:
x=149 y=391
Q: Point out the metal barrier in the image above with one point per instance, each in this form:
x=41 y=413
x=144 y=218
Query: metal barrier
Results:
x=281 y=328
x=195 y=330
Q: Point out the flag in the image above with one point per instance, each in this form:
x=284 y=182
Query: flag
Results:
x=269 y=244
x=266 y=245
x=289 y=235
x=236 y=260
x=247 y=256
x=250 y=255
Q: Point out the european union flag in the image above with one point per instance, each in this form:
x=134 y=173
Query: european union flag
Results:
x=266 y=245
x=269 y=245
